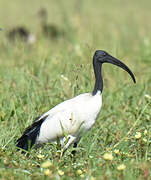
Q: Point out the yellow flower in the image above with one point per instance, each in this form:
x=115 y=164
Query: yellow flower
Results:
x=108 y=156
x=40 y=156
x=60 y=172
x=138 y=135
x=79 y=172
x=145 y=132
x=46 y=164
x=82 y=175
x=47 y=172
x=116 y=151
x=144 y=139
x=126 y=139
x=121 y=167
x=92 y=178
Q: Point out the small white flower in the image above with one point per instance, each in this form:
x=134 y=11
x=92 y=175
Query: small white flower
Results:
x=138 y=135
x=64 y=77
x=40 y=156
x=79 y=172
x=116 y=151
x=60 y=172
x=121 y=167
x=47 y=172
x=82 y=175
x=147 y=96
x=46 y=164
x=144 y=139
x=145 y=132
x=108 y=156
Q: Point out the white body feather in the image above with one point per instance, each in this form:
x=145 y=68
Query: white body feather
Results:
x=71 y=117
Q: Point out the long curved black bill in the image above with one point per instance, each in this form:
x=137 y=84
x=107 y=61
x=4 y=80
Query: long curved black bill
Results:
x=112 y=60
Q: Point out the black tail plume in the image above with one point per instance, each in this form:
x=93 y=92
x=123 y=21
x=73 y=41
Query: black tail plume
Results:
x=28 y=139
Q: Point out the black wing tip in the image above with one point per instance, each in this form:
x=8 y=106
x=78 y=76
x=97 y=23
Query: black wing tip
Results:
x=28 y=139
x=22 y=142
x=25 y=142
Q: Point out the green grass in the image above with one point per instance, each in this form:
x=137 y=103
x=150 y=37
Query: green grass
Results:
x=31 y=83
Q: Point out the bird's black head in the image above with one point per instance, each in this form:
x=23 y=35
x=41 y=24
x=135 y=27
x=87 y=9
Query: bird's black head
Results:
x=101 y=56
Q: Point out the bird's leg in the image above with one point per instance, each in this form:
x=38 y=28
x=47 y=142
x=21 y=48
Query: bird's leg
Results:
x=72 y=139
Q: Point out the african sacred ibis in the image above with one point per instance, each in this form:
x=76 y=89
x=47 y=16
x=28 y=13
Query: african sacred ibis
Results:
x=74 y=116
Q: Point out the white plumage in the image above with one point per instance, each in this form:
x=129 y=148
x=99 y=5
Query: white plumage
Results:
x=73 y=117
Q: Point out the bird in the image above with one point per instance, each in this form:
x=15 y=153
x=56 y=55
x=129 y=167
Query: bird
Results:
x=71 y=119
x=21 y=33
x=49 y=30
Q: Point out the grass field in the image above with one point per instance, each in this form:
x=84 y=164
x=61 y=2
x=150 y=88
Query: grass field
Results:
x=32 y=81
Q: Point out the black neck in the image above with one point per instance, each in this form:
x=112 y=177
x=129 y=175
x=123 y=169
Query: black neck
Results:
x=98 y=77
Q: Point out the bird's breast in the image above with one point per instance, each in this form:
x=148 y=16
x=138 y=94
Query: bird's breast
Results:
x=89 y=110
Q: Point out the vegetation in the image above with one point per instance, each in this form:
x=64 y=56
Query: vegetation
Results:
x=36 y=77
